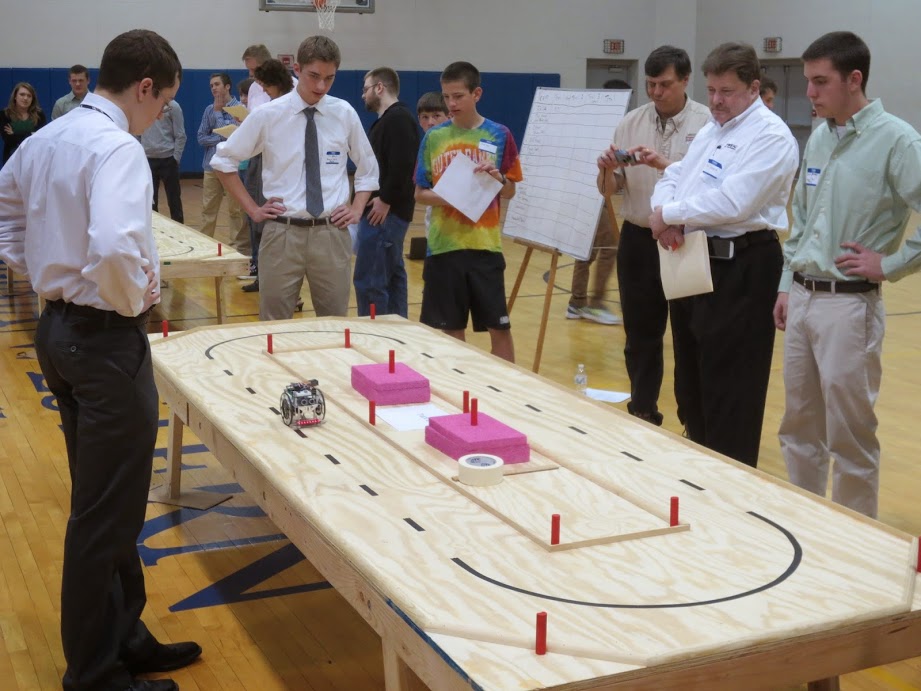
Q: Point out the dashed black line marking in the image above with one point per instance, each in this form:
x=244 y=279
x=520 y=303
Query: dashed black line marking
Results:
x=430 y=357
x=275 y=410
x=691 y=484
x=332 y=458
x=490 y=386
x=251 y=389
x=534 y=408
x=228 y=372
x=300 y=433
x=630 y=455
x=457 y=370
x=414 y=525
x=576 y=429
x=368 y=490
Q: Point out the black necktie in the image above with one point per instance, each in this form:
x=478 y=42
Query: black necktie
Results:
x=312 y=165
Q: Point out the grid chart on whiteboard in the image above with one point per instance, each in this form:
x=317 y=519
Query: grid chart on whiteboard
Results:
x=558 y=204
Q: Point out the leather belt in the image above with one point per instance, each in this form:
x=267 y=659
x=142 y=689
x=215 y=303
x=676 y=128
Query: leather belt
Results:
x=727 y=248
x=302 y=222
x=835 y=286
x=106 y=319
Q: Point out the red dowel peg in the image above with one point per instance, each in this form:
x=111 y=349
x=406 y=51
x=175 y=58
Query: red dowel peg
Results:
x=219 y=249
x=393 y=362
x=373 y=311
x=555 y=529
x=673 y=521
x=474 y=416
x=466 y=401
x=540 y=639
x=165 y=325
x=372 y=412
x=268 y=343
x=348 y=338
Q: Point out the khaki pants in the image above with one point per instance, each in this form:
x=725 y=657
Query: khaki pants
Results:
x=289 y=253
x=212 y=194
x=832 y=373
x=605 y=251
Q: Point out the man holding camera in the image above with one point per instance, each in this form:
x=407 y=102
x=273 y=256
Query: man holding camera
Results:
x=654 y=135
x=733 y=185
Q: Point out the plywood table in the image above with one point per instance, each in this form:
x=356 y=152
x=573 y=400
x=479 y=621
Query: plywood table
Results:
x=758 y=585
x=186 y=253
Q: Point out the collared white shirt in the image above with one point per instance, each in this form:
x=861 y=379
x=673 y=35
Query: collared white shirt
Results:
x=256 y=97
x=642 y=127
x=276 y=130
x=734 y=179
x=75 y=210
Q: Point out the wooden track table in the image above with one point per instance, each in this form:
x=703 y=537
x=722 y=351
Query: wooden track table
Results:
x=758 y=584
x=186 y=253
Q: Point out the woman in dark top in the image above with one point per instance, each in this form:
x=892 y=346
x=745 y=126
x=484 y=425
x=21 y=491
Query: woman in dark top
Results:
x=20 y=118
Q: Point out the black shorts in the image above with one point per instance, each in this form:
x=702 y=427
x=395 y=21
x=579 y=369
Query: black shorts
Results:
x=464 y=282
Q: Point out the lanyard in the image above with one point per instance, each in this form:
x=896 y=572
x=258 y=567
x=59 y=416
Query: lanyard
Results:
x=98 y=110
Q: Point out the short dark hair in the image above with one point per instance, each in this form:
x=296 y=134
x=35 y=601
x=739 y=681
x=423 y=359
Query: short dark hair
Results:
x=616 y=84
x=257 y=51
x=462 y=72
x=318 y=48
x=734 y=57
x=224 y=77
x=386 y=76
x=274 y=73
x=767 y=84
x=243 y=86
x=79 y=69
x=663 y=56
x=431 y=102
x=847 y=53
x=135 y=55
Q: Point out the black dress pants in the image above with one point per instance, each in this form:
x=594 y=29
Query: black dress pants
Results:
x=645 y=313
x=100 y=371
x=167 y=170
x=724 y=343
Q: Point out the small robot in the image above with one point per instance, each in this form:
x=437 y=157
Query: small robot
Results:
x=303 y=404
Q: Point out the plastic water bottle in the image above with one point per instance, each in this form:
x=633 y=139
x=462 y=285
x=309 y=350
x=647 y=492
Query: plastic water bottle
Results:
x=581 y=379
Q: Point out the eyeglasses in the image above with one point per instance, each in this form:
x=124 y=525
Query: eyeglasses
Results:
x=364 y=89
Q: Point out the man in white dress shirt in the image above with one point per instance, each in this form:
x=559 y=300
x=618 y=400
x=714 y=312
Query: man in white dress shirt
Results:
x=733 y=184
x=308 y=209
x=75 y=216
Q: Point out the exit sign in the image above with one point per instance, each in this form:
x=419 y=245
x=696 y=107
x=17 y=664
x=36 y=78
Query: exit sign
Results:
x=773 y=44
x=614 y=46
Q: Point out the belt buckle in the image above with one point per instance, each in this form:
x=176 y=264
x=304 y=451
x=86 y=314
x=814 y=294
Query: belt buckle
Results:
x=809 y=284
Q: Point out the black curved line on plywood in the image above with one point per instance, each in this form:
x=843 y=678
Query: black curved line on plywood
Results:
x=303 y=331
x=794 y=564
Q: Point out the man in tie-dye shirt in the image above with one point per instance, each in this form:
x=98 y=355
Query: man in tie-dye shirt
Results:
x=464 y=273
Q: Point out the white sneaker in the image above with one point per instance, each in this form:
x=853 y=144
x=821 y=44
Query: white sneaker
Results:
x=600 y=315
x=573 y=312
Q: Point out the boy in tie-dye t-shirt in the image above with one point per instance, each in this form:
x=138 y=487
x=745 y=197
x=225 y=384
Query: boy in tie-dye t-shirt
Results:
x=464 y=272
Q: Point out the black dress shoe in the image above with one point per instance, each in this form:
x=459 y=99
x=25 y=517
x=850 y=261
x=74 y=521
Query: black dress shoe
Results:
x=252 y=287
x=153 y=685
x=165 y=658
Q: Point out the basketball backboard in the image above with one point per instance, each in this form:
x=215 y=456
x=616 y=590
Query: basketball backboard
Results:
x=358 y=6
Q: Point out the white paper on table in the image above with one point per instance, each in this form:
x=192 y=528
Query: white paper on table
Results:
x=226 y=130
x=607 y=396
x=409 y=417
x=686 y=270
x=468 y=192
x=238 y=112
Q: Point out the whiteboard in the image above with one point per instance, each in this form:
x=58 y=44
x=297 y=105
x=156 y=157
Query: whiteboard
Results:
x=557 y=204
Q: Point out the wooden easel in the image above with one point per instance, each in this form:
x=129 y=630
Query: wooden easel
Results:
x=551 y=280
x=554 y=259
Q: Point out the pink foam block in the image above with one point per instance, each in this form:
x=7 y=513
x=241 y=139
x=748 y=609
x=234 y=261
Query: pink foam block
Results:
x=456 y=437
x=376 y=383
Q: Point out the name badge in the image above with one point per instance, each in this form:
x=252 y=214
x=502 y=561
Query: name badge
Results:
x=332 y=157
x=713 y=169
x=488 y=147
x=812 y=176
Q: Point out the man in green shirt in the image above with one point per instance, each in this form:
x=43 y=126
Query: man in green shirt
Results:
x=859 y=180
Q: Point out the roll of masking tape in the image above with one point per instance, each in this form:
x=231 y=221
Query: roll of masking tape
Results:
x=479 y=470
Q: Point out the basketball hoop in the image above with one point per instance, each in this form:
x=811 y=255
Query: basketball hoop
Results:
x=326 y=13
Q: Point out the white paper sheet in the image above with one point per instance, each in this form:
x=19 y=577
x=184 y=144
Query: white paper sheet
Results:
x=409 y=417
x=607 y=396
x=238 y=112
x=686 y=270
x=468 y=192
x=226 y=130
